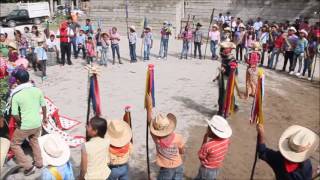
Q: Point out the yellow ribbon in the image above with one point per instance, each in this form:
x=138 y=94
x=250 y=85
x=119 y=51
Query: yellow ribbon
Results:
x=54 y=171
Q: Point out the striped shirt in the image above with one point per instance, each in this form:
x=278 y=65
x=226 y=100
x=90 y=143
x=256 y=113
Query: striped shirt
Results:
x=212 y=153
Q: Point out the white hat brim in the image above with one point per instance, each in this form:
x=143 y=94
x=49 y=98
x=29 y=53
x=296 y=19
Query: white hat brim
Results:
x=225 y=133
x=48 y=160
x=291 y=155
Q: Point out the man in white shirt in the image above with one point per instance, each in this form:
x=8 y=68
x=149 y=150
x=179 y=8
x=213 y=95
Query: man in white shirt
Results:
x=257 y=25
x=220 y=20
x=227 y=19
x=52 y=45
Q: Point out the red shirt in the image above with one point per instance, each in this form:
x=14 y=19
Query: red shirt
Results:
x=279 y=42
x=212 y=153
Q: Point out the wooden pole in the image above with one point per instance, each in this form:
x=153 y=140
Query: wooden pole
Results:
x=211 y=19
x=147 y=146
x=193 y=17
x=255 y=159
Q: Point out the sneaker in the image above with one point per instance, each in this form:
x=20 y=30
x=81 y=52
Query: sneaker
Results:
x=309 y=78
x=30 y=171
x=159 y=58
x=44 y=78
x=297 y=74
x=291 y=72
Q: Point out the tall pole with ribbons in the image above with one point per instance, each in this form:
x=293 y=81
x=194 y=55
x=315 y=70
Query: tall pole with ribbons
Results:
x=257 y=112
x=149 y=92
x=211 y=20
x=93 y=101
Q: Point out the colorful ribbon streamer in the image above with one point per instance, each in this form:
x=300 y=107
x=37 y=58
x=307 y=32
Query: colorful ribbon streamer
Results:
x=94 y=95
x=150 y=85
x=229 y=98
x=257 y=106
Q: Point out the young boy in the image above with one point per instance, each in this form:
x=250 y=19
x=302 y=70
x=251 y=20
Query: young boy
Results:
x=41 y=53
x=105 y=42
x=115 y=38
x=214 y=148
x=91 y=50
x=300 y=51
x=132 y=43
x=80 y=42
x=198 y=38
x=148 y=42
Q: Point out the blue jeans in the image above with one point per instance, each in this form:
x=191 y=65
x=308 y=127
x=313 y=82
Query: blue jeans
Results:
x=133 y=55
x=23 y=52
x=115 y=49
x=119 y=172
x=163 y=48
x=171 y=173
x=308 y=65
x=275 y=53
x=213 y=48
x=207 y=174
x=300 y=57
x=104 y=56
x=185 y=49
x=74 y=45
x=146 y=53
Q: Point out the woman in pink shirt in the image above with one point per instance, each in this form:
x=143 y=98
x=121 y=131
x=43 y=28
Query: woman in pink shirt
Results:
x=214 y=35
x=187 y=37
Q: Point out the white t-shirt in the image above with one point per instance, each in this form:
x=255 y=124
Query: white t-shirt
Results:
x=51 y=44
x=257 y=25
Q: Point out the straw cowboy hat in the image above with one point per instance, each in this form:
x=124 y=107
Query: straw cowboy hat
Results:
x=227 y=45
x=4 y=148
x=148 y=27
x=54 y=150
x=12 y=45
x=304 y=31
x=275 y=25
x=220 y=127
x=256 y=46
x=163 y=125
x=132 y=28
x=292 y=29
x=119 y=133
x=297 y=143
x=227 y=29
x=215 y=26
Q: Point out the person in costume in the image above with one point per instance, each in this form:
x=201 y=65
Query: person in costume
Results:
x=165 y=34
x=252 y=59
x=214 y=148
x=292 y=161
x=56 y=158
x=120 y=134
x=226 y=35
x=13 y=53
x=228 y=66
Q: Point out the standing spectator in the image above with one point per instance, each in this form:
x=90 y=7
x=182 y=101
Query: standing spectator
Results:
x=278 y=44
x=40 y=51
x=115 y=38
x=300 y=51
x=22 y=43
x=148 y=43
x=220 y=20
x=74 y=26
x=273 y=35
x=165 y=35
x=263 y=39
x=90 y=50
x=290 y=42
x=132 y=43
x=88 y=28
x=36 y=37
x=312 y=50
x=187 y=37
x=257 y=26
x=120 y=149
x=249 y=39
x=291 y=162
x=65 y=34
x=227 y=19
x=26 y=103
x=214 y=36
x=3 y=44
x=233 y=27
x=94 y=153
x=239 y=41
x=105 y=49
x=98 y=44
x=198 y=38
x=214 y=148
x=81 y=42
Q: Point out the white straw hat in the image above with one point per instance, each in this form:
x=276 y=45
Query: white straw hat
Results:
x=163 y=125
x=133 y=28
x=304 y=31
x=220 y=127
x=4 y=148
x=119 y=133
x=54 y=150
x=297 y=143
x=292 y=29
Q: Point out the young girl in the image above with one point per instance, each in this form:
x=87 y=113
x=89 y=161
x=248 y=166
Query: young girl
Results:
x=115 y=38
x=105 y=42
x=90 y=49
x=186 y=36
x=94 y=153
x=22 y=43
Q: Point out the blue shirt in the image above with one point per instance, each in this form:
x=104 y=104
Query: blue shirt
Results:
x=276 y=162
x=41 y=53
x=65 y=171
x=81 y=39
x=302 y=44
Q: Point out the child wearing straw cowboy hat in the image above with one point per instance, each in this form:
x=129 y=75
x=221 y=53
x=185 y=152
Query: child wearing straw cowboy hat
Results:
x=292 y=161
x=132 y=43
x=55 y=154
x=120 y=134
x=214 y=148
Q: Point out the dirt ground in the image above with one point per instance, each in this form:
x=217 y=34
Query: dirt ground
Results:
x=299 y=105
